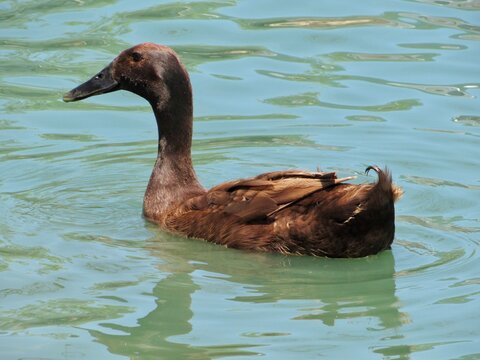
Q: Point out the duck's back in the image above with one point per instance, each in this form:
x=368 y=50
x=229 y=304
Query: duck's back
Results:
x=292 y=212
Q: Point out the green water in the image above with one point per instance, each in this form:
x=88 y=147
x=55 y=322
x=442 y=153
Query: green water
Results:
x=277 y=84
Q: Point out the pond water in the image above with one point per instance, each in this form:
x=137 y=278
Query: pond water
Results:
x=277 y=84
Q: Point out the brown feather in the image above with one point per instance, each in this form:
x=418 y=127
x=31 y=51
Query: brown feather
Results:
x=256 y=208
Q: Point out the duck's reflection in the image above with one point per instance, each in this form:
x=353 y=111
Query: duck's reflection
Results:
x=336 y=291
x=150 y=337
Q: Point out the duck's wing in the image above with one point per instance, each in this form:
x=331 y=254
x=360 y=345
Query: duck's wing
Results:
x=263 y=196
x=275 y=175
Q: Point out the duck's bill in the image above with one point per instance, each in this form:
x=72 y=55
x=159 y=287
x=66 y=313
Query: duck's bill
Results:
x=101 y=83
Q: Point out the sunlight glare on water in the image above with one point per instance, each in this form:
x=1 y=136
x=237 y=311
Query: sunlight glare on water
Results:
x=277 y=84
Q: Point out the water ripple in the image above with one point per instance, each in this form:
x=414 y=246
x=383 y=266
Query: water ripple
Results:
x=311 y=99
x=58 y=312
x=464 y=4
x=437 y=182
x=338 y=80
x=348 y=56
x=318 y=22
x=467 y=120
x=440 y=223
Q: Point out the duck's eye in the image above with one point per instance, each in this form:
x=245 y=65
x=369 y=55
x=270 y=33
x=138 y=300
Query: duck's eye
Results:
x=136 y=56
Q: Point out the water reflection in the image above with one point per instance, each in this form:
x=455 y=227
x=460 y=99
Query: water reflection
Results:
x=71 y=241
x=318 y=22
x=331 y=291
x=336 y=80
x=464 y=4
x=169 y=318
x=312 y=99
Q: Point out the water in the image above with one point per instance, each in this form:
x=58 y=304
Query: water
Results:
x=277 y=84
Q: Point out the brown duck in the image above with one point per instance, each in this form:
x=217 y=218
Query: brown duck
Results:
x=290 y=212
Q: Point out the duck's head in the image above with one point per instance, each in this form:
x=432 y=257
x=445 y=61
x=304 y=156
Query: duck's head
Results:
x=149 y=70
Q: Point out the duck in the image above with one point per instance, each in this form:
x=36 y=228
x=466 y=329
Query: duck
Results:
x=292 y=212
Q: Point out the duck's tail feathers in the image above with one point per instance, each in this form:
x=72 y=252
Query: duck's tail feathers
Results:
x=385 y=183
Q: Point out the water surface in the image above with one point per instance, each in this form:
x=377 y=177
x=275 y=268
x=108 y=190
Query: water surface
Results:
x=339 y=85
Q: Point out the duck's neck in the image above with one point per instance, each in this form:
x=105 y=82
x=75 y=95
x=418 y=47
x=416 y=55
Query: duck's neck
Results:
x=173 y=178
